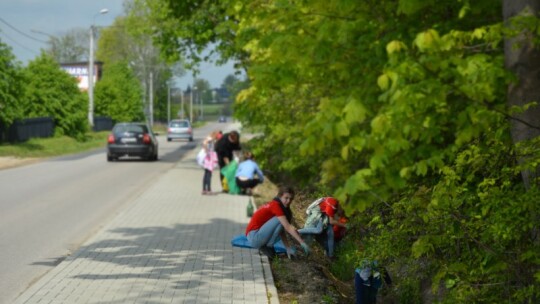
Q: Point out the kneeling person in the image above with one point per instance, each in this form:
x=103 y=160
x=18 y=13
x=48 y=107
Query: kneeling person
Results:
x=248 y=175
x=271 y=221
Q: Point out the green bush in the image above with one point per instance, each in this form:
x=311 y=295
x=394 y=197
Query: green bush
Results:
x=51 y=92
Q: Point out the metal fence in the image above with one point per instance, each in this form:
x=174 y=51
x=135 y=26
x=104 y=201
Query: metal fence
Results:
x=23 y=129
x=102 y=123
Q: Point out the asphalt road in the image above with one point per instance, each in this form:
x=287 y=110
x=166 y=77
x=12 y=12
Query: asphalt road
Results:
x=48 y=209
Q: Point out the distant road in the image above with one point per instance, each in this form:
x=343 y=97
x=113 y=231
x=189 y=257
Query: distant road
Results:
x=48 y=209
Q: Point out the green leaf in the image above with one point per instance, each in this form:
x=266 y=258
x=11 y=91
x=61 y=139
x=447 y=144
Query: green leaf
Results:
x=421 y=168
x=383 y=82
x=464 y=10
x=421 y=246
x=395 y=46
x=355 y=112
x=479 y=33
x=342 y=129
x=450 y=283
x=427 y=40
x=357 y=182
x=405 y=172
x=379 y=124
x=345 y=152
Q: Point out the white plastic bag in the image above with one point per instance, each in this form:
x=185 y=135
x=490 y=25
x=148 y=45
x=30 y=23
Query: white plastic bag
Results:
x=200 y=157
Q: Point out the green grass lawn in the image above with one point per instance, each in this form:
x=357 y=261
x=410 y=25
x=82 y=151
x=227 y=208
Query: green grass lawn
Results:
x=54 y=146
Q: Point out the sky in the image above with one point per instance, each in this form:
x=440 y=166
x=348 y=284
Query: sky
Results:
x=21 y=18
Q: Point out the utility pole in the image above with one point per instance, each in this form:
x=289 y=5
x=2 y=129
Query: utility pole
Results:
x=168 y=102
x=191 y=104
x=182 y=103
x=201 y=103
x=91 y=69
x=151 y=99
x=91 y=79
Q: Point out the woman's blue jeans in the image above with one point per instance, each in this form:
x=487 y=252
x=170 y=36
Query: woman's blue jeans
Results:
x=323 y=236
x=326 y=238
x=267 y=235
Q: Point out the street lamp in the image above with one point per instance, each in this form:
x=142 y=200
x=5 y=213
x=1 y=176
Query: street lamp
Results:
x=91 y=69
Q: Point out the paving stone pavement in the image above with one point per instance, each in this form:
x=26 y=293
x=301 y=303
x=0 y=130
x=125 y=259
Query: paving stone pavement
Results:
x=171 y=245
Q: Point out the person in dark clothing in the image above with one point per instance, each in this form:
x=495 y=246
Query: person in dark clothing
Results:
x=224 y=148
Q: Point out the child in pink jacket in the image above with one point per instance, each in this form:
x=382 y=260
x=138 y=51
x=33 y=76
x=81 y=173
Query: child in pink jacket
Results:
x=209 y=163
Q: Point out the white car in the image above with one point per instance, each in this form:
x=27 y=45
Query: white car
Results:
x=179 y=129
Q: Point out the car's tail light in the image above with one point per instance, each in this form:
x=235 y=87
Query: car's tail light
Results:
x=146 y=139
x=189 y=130
x=169 y=130
x=110 y=139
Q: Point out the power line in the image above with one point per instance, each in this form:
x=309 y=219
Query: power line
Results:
x=20 y=32
x=19 y=44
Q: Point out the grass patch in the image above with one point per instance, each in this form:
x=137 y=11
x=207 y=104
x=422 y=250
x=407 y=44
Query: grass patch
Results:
x=159 y=128
x=54 y=146
x=213 y=109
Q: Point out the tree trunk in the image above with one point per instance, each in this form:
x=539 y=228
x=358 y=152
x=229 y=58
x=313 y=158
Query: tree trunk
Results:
x=523 y=59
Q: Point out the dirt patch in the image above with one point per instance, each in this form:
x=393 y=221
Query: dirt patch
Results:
x=11 y=162
x=307 y=280
x=303 y=280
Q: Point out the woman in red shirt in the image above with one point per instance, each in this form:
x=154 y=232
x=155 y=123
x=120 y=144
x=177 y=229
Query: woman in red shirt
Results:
x=272 y=220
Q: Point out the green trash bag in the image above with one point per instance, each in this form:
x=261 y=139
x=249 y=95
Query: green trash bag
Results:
x=229 y=171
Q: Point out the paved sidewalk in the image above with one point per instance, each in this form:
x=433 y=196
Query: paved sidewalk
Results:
x=172 y=245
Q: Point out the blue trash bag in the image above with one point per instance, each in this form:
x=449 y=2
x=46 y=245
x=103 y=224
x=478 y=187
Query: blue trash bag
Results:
x=367 y=282
x=242 y=242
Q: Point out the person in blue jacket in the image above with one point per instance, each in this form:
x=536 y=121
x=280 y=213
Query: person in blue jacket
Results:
x=248 y=174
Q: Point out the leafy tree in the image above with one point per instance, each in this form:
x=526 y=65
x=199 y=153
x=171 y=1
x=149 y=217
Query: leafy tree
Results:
x=229 y=82
x=129 y=40
x=11 y=86
x=234 y=86
x=51 y=92
x=214 y=25
x=399 y=108
x=70 y=47
x=114 y=43
x=204 y=91
x=118 y=94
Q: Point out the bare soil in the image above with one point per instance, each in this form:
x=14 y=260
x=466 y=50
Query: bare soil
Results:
x=303 y=279
x=11 y=162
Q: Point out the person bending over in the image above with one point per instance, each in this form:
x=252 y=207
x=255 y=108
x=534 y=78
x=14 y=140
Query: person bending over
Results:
x=322 y=218
x=224 y=148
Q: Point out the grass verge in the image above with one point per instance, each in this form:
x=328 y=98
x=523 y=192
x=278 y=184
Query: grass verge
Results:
x=64 y=145
x=54 y=146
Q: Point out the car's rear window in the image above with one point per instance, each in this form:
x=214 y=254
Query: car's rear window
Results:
x=130 y=129
x=179 y=124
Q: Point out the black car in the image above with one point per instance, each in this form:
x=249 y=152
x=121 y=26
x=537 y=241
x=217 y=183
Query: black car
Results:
x=132 y=139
